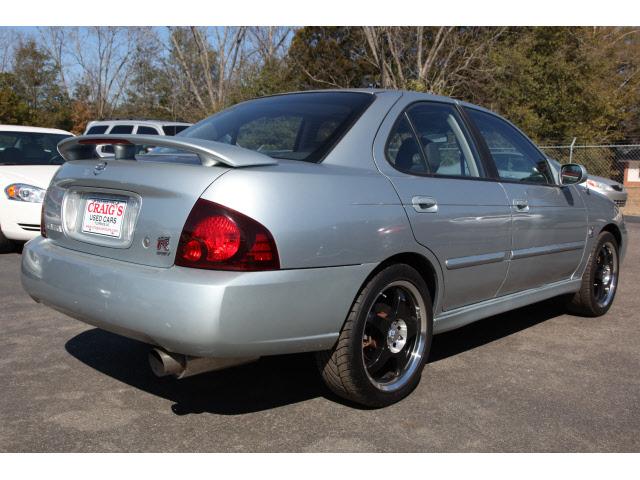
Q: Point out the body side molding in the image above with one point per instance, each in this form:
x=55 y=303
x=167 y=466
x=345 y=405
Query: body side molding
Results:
x=468 y=314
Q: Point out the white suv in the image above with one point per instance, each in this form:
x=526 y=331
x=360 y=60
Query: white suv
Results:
x=135 y=127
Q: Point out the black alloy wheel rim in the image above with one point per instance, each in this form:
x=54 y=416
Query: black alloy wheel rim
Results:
x=394 y=336
x=606 y=275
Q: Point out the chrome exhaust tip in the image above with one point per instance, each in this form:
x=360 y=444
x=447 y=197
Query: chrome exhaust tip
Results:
x=165 y=363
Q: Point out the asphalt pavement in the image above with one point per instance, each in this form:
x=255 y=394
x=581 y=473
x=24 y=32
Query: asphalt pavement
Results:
x=534 y=379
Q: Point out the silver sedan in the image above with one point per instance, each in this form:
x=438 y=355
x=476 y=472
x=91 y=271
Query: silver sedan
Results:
x=354 y=224
x=611 y=189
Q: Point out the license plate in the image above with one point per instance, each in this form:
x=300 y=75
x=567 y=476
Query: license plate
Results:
x=104 y=217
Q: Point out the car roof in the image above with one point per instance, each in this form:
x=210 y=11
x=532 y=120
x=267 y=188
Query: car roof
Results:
x=132 y=121
x=410 y=94
x=24 y=128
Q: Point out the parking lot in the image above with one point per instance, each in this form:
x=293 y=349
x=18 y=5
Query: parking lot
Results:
x=531 y=380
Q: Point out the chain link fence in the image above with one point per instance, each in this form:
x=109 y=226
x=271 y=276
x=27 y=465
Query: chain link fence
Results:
x=603 y=160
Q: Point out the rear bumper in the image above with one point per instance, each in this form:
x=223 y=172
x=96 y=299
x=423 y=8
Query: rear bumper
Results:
x=20 y=220
x=196 y=312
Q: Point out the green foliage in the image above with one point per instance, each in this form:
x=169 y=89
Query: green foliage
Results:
x=270 y=78
x=146 y=88
x=556 y=83
x=330 y=57
x=13 y=109
x=31 y=93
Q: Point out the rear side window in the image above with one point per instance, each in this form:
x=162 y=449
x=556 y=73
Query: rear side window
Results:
x=97 y=130
x=429 y=139
x=146 y=131
x=403 y=151
x=121 y=130
x=173 y=129
x=513 y=154
x=302 y=126
x=443 y=140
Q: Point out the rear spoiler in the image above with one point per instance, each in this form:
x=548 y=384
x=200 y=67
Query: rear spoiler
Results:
x=210 y=153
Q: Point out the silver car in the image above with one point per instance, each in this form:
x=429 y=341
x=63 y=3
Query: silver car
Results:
x=611 y=189
x=353 y=223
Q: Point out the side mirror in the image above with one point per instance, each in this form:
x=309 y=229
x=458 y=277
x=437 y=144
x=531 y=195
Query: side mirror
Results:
x=572 y=173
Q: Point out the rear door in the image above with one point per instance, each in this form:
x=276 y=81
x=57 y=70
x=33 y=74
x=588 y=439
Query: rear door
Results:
x=454 y=209
x=549 y=220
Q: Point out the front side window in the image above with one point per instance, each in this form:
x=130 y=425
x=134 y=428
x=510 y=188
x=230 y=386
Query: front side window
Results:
x=301 y=126
x=30 y=148
x=441 y=146
x=513 y=154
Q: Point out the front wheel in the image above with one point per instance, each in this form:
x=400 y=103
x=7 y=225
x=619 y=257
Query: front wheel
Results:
x=599 y=281
x=384 y=343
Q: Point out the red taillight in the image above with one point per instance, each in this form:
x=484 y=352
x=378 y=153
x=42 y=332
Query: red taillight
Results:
x=218 y=238
x=192 y=251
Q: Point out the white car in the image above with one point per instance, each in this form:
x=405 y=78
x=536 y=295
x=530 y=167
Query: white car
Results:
x=28 y=160
x=131 y=127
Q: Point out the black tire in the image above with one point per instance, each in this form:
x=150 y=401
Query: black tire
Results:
x=6 y=245
x=344 y=367
x=587 y=301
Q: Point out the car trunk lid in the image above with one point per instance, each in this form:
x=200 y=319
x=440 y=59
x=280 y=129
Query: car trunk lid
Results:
x=133 y=208
x=124 y=210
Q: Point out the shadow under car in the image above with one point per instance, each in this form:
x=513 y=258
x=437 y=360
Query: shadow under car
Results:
x=271 y=381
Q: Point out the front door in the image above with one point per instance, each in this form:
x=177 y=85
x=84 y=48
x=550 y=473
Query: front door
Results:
x=454 y=210
x=549 y=220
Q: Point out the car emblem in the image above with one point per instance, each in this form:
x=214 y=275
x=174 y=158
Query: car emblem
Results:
x=162 y=247
x=99 y=168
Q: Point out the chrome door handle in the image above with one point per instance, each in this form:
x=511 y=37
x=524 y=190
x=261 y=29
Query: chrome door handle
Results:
x=424 y=204
x=521 y=205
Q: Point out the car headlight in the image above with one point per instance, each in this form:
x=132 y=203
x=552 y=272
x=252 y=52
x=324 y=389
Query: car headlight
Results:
x=25 y=193
x=599 y=185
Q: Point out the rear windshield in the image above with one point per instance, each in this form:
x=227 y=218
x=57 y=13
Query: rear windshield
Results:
x=30 y=148
x=301 y=126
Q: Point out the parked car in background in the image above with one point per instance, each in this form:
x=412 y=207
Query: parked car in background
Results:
x=352 y=223
x=611 y=189
x=28 y=161
x=131 y=127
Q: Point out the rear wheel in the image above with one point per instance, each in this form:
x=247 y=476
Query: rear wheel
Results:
x=599 y=281
x=6 y=245
x=384 y=342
